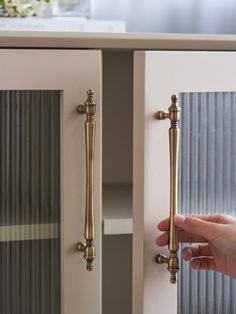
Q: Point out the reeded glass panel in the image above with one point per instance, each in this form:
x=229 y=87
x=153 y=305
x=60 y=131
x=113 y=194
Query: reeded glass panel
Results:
x=30 y=202
x=207 y=185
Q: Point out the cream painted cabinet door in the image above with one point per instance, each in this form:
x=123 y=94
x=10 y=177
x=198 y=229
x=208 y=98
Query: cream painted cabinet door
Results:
x=205 y=83
x=43 y=181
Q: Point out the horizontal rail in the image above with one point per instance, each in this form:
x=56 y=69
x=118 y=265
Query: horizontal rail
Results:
x=29 y=232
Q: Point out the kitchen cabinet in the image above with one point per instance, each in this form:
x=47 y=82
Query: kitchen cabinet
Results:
x=44 y=77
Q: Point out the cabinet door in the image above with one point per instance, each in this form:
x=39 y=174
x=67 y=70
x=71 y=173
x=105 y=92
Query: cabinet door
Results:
x=43 y=182
x=205 y=83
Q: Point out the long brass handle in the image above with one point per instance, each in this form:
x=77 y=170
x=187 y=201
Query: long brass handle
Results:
x=89 y=108
x=174 y=115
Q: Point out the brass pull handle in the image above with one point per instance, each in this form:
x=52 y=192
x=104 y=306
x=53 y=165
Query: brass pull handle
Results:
x=174 y=115
x=89 y=108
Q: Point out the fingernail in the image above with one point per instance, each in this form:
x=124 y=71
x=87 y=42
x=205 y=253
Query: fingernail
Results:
x=179 y=219
x=187 y=254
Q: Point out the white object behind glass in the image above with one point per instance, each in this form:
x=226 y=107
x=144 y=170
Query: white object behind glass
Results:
x=71 y=8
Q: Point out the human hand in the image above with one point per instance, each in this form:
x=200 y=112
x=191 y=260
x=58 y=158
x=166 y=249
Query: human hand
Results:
x=212 y=241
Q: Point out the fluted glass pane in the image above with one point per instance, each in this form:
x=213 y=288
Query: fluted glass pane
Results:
x=30 y=202
x=207 y=185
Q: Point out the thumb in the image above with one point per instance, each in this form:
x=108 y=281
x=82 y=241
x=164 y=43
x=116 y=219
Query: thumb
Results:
x=203 y=228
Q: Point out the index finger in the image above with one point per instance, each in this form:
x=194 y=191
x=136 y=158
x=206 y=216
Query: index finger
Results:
x=164 y=224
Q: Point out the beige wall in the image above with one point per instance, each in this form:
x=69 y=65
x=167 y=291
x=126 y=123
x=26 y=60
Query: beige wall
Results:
x=185 y=16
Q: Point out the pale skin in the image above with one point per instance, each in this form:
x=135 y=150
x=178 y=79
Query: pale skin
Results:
x=211 y=238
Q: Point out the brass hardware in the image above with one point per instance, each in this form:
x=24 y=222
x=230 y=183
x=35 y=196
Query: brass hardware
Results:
x=89 y=108
x=174 y=115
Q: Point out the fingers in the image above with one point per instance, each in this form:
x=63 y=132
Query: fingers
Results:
x=205 y=263
x=200 y=256
x=164 y=225
x=199 y=250
x=196 y=226
x=223 y=219
x=163 y=239
x=184 y=237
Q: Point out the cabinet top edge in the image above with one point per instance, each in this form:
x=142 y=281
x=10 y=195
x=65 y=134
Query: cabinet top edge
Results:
x=131 y=41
